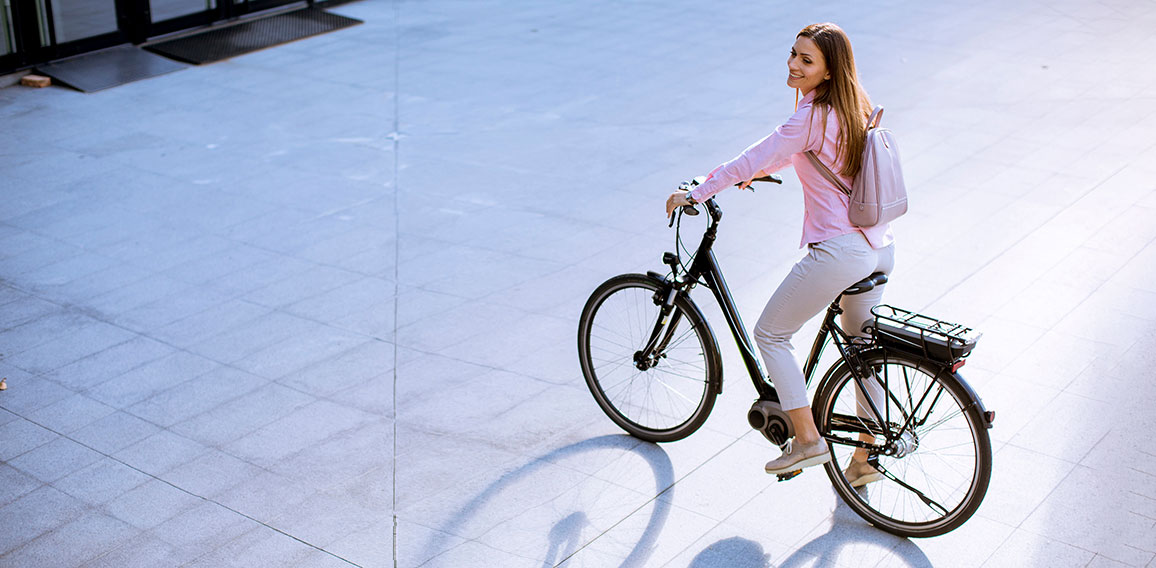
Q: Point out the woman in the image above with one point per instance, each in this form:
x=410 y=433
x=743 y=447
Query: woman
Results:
x=830 y=120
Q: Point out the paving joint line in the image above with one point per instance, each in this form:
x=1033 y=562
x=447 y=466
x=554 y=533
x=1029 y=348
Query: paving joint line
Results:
x=396 y=250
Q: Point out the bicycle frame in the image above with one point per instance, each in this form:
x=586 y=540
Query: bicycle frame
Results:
x=877 y=403
x=705 y=270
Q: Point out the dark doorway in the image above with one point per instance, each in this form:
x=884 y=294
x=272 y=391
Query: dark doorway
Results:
x=39 y=31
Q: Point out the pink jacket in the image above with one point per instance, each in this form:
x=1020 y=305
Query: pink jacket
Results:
x=825 y=205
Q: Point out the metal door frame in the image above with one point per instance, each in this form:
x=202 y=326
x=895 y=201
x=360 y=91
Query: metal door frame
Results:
x=134 y=25
x=225 y=10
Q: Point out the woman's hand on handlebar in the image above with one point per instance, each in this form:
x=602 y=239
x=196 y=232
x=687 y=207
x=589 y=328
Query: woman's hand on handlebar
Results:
x=676 y=200
x=760 y=176
x=747 y=184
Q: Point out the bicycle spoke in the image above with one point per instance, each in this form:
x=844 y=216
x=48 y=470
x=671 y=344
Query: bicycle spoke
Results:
x=673 y=390
x=932 y=460
x=942 y=421
x=926 y=500
x=628 y=339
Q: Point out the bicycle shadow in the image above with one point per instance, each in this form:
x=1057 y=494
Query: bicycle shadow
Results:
x=849 y=536
x=565 y=537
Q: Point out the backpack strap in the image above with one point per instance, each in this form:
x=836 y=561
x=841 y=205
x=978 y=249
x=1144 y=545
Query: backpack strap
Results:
x=876 y=116
x=872 y=122
x=827 y=173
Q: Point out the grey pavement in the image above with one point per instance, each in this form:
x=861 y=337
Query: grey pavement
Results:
x=316 y=305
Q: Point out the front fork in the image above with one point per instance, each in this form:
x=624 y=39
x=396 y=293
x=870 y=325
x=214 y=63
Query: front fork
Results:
x=668 y=318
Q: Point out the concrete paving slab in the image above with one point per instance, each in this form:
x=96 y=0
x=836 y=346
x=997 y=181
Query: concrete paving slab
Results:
x=142 y=550
x=54 y=460
x=40 y=511
x=73 y=544
x=16 y=484
x=101 y=482
x=260 y=545
x=150 y=504
x=71 y=414
x=316 y=305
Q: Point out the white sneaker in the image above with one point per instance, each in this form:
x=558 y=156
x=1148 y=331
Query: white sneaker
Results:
x=860 y=473
x=798 y=456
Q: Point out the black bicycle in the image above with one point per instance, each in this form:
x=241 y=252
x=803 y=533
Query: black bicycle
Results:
x=893 y=399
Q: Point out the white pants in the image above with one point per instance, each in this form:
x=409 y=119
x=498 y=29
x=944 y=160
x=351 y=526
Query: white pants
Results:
x=829 y=268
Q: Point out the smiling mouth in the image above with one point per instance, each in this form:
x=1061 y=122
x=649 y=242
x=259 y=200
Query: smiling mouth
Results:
x=793 y=76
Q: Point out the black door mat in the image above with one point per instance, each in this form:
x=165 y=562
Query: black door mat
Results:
x=108 y=68
x=251 y=35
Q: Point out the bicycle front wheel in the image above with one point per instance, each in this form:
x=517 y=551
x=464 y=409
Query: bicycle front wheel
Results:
x=662 y=402
x=926 y=433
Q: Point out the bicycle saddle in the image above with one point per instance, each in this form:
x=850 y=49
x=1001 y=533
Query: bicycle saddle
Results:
x=867 y=284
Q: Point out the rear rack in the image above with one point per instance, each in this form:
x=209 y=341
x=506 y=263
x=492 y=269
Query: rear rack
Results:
x=922 y=335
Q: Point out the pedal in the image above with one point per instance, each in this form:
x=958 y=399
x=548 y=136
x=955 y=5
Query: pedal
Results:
x=789 y=475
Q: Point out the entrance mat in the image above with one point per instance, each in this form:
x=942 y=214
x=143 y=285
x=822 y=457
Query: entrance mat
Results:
x=108 y=68
x=251 y=35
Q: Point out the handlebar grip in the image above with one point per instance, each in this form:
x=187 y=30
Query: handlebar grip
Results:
x=772 y=178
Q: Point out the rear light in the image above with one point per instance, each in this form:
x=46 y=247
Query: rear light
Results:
x=989 y=416
x=957 y=365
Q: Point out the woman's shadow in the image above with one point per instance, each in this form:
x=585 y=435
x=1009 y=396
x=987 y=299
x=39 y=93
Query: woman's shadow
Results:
x=847 y=533
x=734 y=552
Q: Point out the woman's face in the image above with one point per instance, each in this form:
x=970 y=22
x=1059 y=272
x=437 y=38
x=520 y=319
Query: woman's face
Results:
x=806 y=67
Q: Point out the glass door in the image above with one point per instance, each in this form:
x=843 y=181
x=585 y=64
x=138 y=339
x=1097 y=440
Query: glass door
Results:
x=73 y=20
x=166 y=16
x=172 y=15
x=161 y=10
x=241 y=7
x=7 y=38
x=9 y=58
x=36 y=31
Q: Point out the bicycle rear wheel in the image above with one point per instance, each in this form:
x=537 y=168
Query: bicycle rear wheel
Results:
x=661 y=403
x=928 y=436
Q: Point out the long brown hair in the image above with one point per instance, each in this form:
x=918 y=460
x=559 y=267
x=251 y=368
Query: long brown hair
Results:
x=842 y=92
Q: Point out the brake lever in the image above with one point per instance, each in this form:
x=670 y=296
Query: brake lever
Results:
x=687 y=209
x=772 y=178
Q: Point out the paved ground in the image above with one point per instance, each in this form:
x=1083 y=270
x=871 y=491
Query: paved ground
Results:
x=316 y=306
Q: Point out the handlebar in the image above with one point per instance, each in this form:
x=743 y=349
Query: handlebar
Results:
x=715 y=212
x=772 y=178
x=712 y=207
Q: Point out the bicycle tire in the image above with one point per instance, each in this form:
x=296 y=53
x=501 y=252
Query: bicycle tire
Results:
x=946 y=456
x=616 y=322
